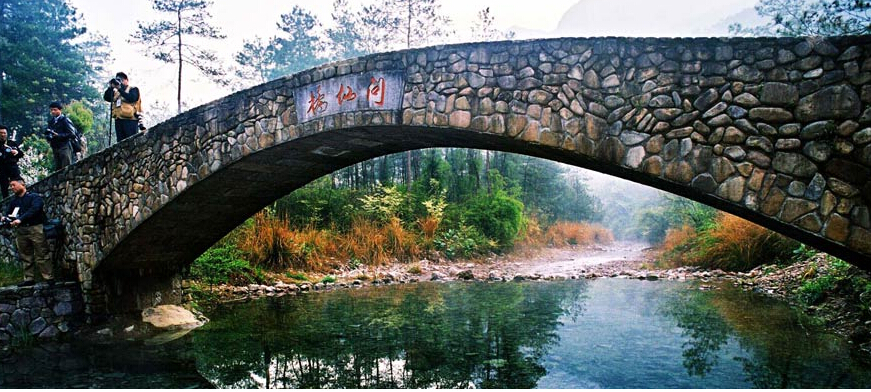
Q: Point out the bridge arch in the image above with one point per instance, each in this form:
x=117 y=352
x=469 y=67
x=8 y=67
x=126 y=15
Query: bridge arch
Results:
x=772 y=130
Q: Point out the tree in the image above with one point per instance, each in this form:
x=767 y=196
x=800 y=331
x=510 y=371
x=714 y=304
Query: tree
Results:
x=40 y=61
x=296 y=48
x=255 y=62
x=421 y=21
x=483 y=28
x=300 y=45
x=167 y=40
x=810 y=17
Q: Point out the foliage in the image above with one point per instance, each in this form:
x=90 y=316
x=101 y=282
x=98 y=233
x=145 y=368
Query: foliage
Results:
x=383 y=204
x=828 y=274
x=385 y=25
x=169 y=40
x=270 y=243
x=463 y=242
x=224 y=265
x=48 y=45
x=794 y=18
x=329 y=279
x=296 y=276
x=577 y=233
x=10 y=273
x=729 y=243
x=297 y=47
x=37 y=161
x=498 y=217
x=483 y=29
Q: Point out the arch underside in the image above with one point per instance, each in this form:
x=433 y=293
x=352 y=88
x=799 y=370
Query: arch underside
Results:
x=209 y=209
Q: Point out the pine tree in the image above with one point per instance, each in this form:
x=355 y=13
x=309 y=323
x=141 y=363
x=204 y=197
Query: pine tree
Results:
x=40 y=61
x=810 y=17
x=168 y=40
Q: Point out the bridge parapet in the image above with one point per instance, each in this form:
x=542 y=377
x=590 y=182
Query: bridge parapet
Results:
x=776 y=130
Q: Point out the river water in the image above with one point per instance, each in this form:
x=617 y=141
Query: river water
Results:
x=609 y=333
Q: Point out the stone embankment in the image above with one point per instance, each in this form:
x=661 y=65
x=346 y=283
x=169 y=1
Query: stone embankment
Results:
x=40 y=311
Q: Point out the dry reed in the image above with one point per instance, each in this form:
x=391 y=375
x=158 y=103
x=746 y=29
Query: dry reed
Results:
x=577 y=233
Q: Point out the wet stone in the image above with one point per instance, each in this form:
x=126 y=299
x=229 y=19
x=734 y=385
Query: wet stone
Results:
x=795 y=164
x=796 y=188
x=705 y=183
x=794 y=208
x=837 y=228
x=787 y=144
x=732 y=189
x=778 y=94
x=834 y=102
x=815 y=188
x=735 y=153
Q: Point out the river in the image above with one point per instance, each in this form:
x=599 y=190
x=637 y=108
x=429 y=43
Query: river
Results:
x=603 y=333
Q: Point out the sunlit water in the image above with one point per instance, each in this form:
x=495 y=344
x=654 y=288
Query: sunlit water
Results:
x=608 y=333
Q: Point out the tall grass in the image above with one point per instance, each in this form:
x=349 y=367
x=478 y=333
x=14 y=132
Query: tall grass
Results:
x=271 y=243
x=577 y=233
x=729 y=243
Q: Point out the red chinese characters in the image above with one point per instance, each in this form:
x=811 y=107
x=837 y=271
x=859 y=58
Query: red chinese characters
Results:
x=316 y=104
x=343 y=95
x=376 y=91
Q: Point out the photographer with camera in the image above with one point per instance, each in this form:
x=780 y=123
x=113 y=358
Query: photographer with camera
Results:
x=126 y=106
x=9 y=156
x=26 y=216
x=59 y=134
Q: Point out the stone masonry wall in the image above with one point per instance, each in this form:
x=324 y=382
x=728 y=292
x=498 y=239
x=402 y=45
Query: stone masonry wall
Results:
x=775 y=130
x=40 y=311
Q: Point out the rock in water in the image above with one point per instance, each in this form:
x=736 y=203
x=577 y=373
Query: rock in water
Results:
x=170 y=317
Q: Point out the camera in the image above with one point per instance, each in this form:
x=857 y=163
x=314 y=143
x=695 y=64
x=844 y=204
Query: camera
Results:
x=5 y=221
x=115 y=82
x=49 y=134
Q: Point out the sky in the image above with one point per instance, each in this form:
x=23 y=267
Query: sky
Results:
x=246 y=19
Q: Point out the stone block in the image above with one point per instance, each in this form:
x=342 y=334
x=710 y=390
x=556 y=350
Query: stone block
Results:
x=732 y=189
x=833 y=102
x=837 y=228
x=794 y=208
x=794 y=164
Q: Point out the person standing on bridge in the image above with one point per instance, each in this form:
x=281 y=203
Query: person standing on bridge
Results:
x=59 y=134
x=9 y=156
x=25 y=214
x=126 y=105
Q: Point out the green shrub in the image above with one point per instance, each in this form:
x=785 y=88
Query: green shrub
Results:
x=328 y=279
x=498 y=217
x=464 y=242
x=224 y=265
x=296 y=276
x=814 y=291
x=10 y=273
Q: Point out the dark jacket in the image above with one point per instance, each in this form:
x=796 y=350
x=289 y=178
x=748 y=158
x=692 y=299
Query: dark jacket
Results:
x=9 y=162
x=132 y=95
x=29 y=209
x=63 y=129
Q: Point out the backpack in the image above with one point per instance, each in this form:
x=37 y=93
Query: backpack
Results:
x=76 y=140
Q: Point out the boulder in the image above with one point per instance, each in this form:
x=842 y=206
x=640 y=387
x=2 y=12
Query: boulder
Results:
x=170 y=317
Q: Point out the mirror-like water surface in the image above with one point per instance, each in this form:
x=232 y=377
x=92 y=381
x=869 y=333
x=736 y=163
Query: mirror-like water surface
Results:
x=607 y=333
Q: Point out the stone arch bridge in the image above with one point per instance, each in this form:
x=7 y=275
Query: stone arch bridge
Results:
x=777 y=131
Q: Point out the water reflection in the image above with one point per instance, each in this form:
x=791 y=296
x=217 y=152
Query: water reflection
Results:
x=427 y=335
x=784 y=349
x=609 y=333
